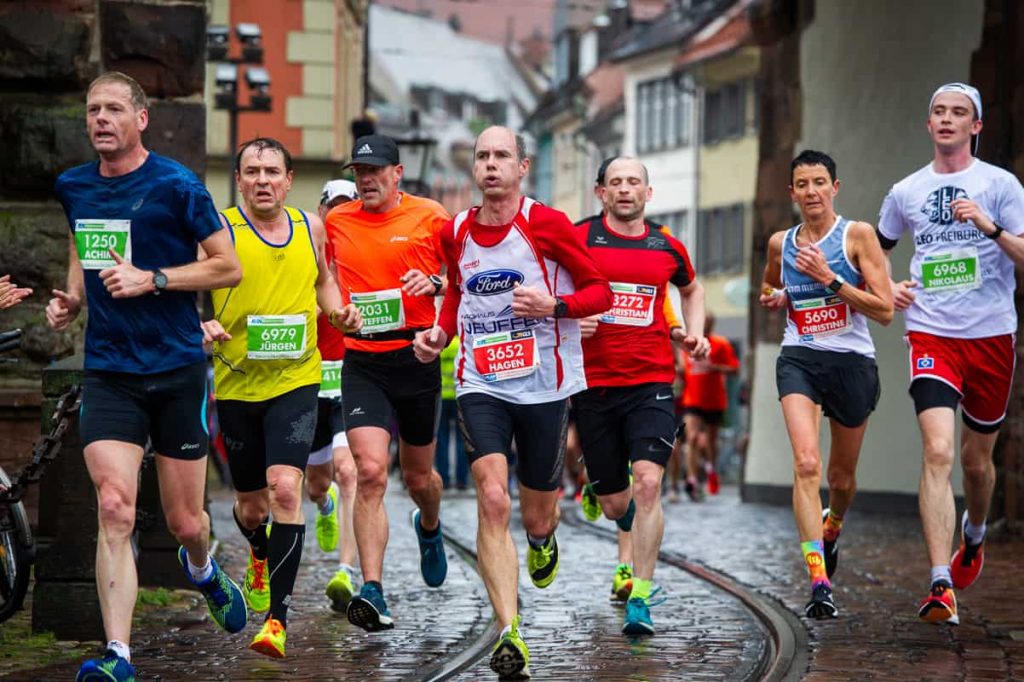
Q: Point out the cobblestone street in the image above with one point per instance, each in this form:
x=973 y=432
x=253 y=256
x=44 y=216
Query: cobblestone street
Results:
x=573 y=630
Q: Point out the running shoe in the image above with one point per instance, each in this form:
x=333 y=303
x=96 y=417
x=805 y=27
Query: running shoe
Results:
x=369 y=611
x=821 y=605
x=966 y=564
x=511 y=658
x=225 y=600
x=622 y=583
x=433 y=562
x=340 y=590
x=638 y=618
x=940 y=605
x=831 y=548
x=694 y=491
x=588 y=500
x=327 y=524
x=269 y=641
x=256 y=586
x=714 y=484
x=543 y=563
x=110 y=668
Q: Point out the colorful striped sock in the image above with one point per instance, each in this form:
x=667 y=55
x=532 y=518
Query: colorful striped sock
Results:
x=833 y=524
x=814 y=557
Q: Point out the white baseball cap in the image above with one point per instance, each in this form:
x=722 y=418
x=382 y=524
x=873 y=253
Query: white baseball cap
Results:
x=968 y=91
x=338 y=188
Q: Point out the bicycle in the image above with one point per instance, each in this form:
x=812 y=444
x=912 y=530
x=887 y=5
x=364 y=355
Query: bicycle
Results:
x=17 y=543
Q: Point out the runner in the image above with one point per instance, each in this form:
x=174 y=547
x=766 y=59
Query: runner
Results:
x=267 y=373
x=829 y=274
x=625 y=417
x=330 y=470
x=517 y=276
x=967 y=218
x=388 y=253
x=11 y=294
x=704 y=403
x=137 y=220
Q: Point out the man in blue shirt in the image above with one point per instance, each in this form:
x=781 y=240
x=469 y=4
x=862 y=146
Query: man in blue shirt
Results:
x=137 y=221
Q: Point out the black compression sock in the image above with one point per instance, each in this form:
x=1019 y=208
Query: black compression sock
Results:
x=285 y=554
x=257 y=537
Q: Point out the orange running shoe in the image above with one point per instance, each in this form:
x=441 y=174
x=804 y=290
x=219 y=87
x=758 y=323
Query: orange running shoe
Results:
x=939 y=606
x=269 y=641
x=966 y=564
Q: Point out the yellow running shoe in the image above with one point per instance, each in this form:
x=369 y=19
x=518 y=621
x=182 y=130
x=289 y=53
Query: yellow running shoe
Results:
x=543 y=563
x=327 y=524
x=588 y=500
x=622 y=583
x=510 y=658
x=270 y=639
x=256 y=587
x=340 y=590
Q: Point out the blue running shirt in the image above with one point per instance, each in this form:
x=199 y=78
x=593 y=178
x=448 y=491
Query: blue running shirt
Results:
x=168 y=212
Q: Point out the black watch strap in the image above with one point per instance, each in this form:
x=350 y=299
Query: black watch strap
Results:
x=998 y=231
x=437 y=282
x=561 y=308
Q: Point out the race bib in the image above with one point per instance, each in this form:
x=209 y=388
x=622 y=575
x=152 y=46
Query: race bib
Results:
x=632 y=305
x=816 y=318
x=953 y=271
x=382 y=310
x=277 y=337
x=508 y=355
x=93 y=238
x=330 y=379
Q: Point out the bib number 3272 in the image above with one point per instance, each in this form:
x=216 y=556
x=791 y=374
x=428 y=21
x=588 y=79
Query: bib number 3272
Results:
x=632 y=305
x=508 y=355
x=95 y=238
x=277 y=337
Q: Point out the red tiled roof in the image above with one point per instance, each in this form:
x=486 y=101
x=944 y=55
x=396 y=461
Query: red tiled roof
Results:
x=734 y=33
x=605 y=84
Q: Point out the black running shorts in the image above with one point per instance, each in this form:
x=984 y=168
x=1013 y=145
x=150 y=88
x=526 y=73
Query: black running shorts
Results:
x=260 y=434
x=622 y=424
x=844 y=384
x=709 y=417
x=330 y=420
x=379 y=388
x=489 y=424
x=168 y=408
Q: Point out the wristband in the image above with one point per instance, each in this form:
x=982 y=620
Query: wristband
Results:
x=998 y=231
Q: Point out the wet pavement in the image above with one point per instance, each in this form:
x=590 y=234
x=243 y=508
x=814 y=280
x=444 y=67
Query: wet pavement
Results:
x=573 y=630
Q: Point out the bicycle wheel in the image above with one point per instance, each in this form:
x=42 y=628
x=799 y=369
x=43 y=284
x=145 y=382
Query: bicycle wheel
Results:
x=15 y=547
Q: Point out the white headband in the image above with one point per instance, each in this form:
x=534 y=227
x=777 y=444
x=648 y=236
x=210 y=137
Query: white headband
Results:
x=969 y=91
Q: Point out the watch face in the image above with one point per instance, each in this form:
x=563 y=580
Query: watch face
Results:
x=159 y=280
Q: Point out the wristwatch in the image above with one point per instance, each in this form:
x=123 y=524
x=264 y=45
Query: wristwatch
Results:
x=159 y=282
x=561 y=308
x=995 y=233
x=836 y=284
x=437 y=282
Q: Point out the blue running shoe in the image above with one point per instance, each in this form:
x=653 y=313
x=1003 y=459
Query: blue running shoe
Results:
x=223 y=596
x=369 y=611
x=109 y=668
x=638 y=615
x=433 y=562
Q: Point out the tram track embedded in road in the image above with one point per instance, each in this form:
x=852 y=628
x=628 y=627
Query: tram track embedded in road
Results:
x=785 y=657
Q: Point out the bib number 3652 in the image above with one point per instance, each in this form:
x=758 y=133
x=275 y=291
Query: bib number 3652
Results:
x=508 y=355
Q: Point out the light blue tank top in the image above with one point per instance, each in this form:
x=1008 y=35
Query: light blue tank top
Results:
x=816 y=317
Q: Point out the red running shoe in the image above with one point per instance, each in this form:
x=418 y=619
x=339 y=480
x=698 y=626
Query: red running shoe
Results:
x=939 y=606
x=966 y=564
x=713 y=483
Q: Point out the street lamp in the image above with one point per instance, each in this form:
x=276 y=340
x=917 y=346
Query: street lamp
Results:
x=226 y=77
x=417 y=151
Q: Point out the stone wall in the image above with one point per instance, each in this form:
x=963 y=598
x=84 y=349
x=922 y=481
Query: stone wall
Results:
x=52 y=50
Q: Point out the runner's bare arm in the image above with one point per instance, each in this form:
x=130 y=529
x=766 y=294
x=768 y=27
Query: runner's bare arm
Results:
x=347 y=318
x=691 y=296
x=965 y=210
x=876 y=301
x=65 y=305
x=773 y=294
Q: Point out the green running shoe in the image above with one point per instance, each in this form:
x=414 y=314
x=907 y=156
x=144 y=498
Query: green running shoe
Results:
x=256 y=586
x=588 y=500
x=340 y=590
x=327 y=524
x=510 y=658
x=543 y=563
x=110 y=668
x=622 y=583
x=227 y=605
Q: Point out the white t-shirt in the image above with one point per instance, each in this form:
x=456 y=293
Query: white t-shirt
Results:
x=965 y=281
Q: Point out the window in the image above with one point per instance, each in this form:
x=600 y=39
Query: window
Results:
x=720 y=239
x=725 y=112
x=677 y=222
x=663 y=115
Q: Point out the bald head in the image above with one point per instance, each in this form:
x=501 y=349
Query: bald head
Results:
x=626 y=166
x=502 y=134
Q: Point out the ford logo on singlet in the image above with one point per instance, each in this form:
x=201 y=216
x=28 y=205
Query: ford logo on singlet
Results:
x=493 y=282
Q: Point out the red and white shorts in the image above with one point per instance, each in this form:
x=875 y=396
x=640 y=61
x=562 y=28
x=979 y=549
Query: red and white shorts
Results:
x=981 y=370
